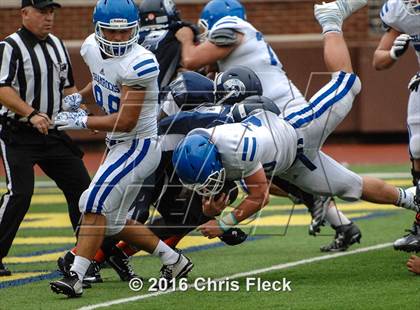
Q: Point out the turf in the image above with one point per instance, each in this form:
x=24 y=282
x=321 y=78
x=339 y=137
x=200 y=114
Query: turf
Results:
x=376 y=279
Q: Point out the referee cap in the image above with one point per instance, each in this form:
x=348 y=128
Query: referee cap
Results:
x=40 y=4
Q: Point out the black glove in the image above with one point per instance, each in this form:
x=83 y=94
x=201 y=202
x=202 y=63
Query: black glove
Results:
x=175 y=26
x=233 y=236
x=413 y=85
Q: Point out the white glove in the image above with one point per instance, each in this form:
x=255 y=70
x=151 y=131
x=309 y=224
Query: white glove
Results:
x=413 y=85
x=71 y=120
x=72 y=102
x=400 y=46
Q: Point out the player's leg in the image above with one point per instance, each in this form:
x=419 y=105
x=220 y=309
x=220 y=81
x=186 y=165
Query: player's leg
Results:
x=411 y=241
x=106 y=205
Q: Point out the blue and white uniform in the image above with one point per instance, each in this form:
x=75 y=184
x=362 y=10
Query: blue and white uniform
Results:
x=290 y=147
x=394 y=15
x=134 y=155
x=255 y=53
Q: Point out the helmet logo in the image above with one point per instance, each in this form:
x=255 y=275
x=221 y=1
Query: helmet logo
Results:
x=235 y=85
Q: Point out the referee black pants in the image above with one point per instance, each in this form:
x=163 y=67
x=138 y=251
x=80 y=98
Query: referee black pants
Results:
x=56 y=155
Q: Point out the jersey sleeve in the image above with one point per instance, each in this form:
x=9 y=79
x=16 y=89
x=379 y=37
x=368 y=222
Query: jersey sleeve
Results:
x=389 y=15
x=228 y=22
x=8 y=64
x=141 y=71
x=248 y=156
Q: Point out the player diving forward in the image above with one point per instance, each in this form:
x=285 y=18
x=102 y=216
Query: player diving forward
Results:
x=124 y=84
x=231 y=41
x=401 y=19
x=265 y=145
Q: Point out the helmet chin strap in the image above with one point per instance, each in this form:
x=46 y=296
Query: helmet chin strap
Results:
x=229 y=95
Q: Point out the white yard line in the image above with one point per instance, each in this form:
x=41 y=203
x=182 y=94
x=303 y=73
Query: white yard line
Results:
x=245 y=274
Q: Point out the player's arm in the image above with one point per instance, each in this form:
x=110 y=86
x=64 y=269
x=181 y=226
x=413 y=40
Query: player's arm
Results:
x=392 y=45
x=194 y=57
x=257 y=198
x=126 y=118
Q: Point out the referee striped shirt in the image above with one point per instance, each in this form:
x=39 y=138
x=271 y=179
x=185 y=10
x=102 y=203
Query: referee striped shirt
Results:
x=37 y=70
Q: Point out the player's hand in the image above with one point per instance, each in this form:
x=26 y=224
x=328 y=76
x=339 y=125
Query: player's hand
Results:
x=185 y=34
x=413 y=264
x=211 y=229
x=213 y=206
x=400 y=46
x=413 y=85
x=71 y=120
x=72 y=102
x=41 y=122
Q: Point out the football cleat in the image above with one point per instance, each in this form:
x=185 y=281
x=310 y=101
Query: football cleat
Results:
x=93 y=274
x=120 y=262
x=411 y=241
x=65 y=262
x=4 y=272
x=336 y=12
x=178 y=270
x=69 y=285
x=318 y=213
x=345 y=236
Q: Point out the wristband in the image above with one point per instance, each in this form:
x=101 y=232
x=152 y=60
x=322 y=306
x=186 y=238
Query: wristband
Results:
x=227 y=222
x=33 y=113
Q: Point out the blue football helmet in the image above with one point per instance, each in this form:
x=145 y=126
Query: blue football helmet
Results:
x=190 y=89
x=236 y=84
x=217 y=9
x=116 y=15
x=198 y=164
x=412 y=6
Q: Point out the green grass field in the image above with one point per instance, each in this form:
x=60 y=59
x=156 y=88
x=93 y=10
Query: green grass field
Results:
x=373 y=279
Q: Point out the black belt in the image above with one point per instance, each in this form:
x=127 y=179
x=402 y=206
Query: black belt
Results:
x=302 y=157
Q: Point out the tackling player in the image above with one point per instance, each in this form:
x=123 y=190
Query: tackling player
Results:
x=401 y=19
x=266 y=145
x=230 y=40
x=124 y=84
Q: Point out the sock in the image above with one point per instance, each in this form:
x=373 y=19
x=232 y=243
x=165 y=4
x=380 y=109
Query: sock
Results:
x=73 y=250
x=336 y=217
x=99 y=256
x=418 y=218
x=126 y=248
x=166 y=254
x=173 y=241
x=348 y=7
x=406 y=200
x=80 y=266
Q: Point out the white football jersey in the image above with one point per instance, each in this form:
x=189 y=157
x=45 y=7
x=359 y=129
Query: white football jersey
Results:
x=255 y=53
x=394 y=15
x=138 y=68
x=262 y=140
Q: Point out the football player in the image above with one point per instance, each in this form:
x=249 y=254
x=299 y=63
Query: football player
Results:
x=231 y=40
x=265 y=145
x=124 y=84
x=401 y=19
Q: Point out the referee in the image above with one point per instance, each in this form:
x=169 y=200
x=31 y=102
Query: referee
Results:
x=35 y=74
